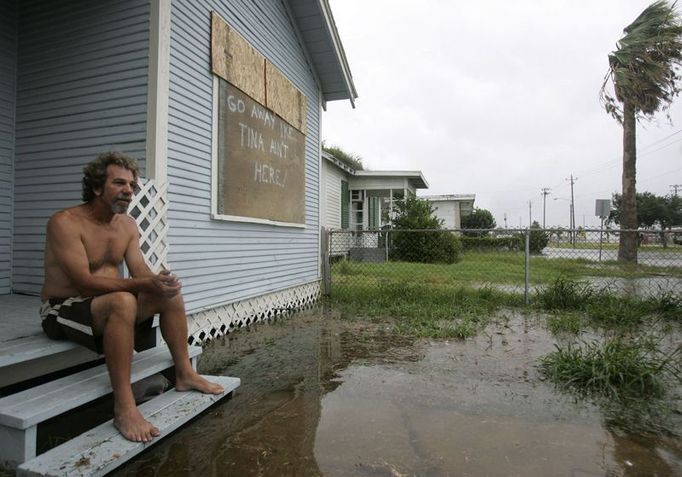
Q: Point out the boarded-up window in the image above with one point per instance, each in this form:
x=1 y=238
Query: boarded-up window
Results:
x=345 y=202
x=260 y=164
x=261 y=161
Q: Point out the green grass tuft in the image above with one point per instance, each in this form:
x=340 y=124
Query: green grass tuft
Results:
x=564 y=294
x=613 y=369
x=565 y=323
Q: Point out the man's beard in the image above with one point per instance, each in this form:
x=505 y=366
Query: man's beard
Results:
x=120 y=205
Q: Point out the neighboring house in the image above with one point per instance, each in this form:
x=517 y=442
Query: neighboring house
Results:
x=360 y=200
x=450 y=208
x=221 y=103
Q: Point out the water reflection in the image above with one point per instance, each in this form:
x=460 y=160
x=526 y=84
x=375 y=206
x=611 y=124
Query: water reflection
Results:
x=321 y=396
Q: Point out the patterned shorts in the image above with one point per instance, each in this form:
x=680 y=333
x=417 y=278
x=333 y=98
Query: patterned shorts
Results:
x=70 y=319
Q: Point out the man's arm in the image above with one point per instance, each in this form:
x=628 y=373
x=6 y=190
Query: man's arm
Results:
x=165 y=283
x=64 y=240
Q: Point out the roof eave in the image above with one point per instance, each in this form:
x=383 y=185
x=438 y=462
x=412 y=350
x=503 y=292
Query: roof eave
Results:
x=338 y=48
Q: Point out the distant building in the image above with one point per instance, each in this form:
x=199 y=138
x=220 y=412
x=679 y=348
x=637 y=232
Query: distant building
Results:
x=451 y=208
x=360 y=200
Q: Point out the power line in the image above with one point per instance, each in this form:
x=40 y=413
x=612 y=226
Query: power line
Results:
x=662 y=139
x=601 y=167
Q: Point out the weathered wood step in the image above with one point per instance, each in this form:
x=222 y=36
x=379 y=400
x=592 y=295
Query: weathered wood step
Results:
x=32 y=347
x=102 y=449
x=20 y=413
x=40 y=403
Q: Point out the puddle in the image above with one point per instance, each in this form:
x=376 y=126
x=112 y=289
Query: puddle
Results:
x=647 y=287
x=324 y=396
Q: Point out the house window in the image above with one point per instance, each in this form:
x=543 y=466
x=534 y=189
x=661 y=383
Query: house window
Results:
x=357 y=209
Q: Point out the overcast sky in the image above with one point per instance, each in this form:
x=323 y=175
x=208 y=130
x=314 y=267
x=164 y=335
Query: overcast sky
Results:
x=498 y=99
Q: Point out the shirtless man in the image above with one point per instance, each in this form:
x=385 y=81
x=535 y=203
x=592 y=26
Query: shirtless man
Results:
x=85 y=299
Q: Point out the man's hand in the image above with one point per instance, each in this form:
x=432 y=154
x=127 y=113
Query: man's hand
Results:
x=165 y=284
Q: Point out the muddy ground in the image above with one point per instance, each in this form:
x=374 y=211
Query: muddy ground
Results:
x=322 y=395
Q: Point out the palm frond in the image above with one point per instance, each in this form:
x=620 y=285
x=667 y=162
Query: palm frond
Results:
x=643 y=69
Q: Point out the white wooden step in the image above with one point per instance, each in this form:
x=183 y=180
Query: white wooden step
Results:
x=20 y=413
x=102 y=449
x=37 y=404
x=27 y=348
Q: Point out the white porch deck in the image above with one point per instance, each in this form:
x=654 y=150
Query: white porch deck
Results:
x=19 y=317
x=25 y=351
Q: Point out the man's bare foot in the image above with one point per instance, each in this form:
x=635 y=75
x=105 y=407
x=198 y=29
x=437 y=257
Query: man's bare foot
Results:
x=197 y=382
x=134 y=427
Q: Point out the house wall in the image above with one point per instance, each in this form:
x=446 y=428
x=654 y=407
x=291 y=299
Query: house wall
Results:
x=331 y=194
x=81 y=90
x=225 y=261
x=8 y=61
x=448 y=212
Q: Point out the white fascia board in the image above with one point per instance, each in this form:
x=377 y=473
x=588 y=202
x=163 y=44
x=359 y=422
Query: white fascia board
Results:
x=158 y=88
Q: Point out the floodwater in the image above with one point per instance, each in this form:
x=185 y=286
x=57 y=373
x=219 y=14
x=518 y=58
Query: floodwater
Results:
x=326 y=396
x=672 y=257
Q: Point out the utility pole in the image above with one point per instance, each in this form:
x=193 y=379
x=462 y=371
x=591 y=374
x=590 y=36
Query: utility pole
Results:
x=675 y=188
x=572 y=179
x=545 y=193
x=505 y=220
x=530 y=213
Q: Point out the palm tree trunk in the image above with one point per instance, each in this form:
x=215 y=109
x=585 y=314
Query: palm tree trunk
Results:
x=627 y=250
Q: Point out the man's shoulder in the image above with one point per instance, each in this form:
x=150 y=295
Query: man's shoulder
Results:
x=67 y=215
x=127 y=222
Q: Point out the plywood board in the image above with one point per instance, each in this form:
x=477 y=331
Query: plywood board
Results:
x=261 y=161
x=284 y=98
x=235 y=60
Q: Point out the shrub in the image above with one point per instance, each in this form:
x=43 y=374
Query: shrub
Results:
x=537 y=241
x=425 y=247
x=478 y=219
x=492 y=243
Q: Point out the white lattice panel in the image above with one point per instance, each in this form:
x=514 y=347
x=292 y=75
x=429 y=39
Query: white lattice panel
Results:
x=208 y=324
x=149 y=208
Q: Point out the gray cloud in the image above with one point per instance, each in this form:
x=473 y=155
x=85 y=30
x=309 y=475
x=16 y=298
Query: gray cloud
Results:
x=496 y=98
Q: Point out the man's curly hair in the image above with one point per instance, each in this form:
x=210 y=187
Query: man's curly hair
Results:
x=95 y=173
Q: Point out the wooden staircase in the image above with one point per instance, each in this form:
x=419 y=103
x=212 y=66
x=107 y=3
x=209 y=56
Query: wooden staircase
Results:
x=98 y=450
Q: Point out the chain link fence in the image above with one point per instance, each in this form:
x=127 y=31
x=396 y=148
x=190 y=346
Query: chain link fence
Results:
x=512 y=260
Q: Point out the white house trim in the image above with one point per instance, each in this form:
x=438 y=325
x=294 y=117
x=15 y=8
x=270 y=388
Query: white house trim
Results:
x=157 y=94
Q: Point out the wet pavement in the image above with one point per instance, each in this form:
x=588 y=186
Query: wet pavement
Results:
x=671 y=257
x=326 y=396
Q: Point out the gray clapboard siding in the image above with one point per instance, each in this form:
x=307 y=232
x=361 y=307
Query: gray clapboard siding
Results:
x=81 y=90
x=332 y=199
x=8 y=60
x=221 y=261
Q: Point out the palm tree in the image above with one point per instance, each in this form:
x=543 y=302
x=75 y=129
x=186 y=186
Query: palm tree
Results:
x=644 y=73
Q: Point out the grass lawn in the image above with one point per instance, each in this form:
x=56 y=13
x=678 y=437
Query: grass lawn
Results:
x=505 y=268
x=436 y=301
x=671 y=248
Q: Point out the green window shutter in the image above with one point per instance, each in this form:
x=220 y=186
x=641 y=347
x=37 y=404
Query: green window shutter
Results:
x=374 y=212
x=345 y=203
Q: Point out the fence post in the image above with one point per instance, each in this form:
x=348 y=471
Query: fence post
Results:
x=527 y=266
x=325 y=240
x=386 y=245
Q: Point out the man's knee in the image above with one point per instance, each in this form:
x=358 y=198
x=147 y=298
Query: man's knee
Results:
x=122 y=304
x=150 y=304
